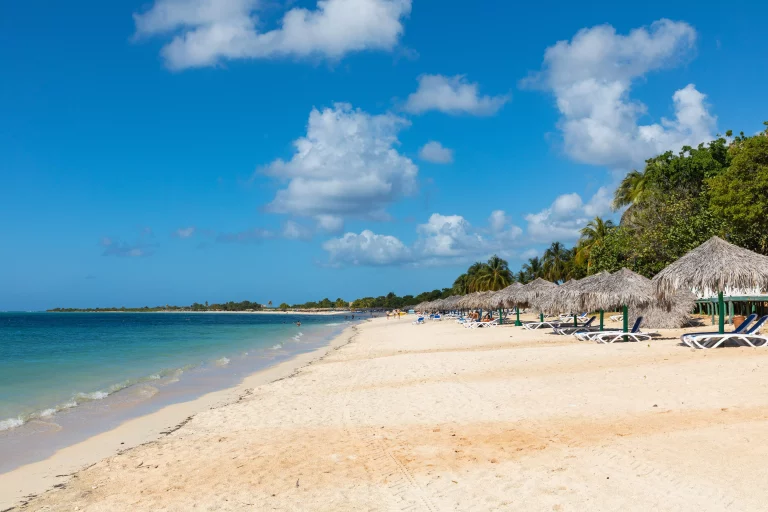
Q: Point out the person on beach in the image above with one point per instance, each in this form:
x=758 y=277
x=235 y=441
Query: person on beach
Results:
x=298 y=324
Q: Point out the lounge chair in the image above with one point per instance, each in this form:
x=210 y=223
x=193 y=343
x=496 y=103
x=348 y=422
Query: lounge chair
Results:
x=418 y=321
x=538 y=325
x=616 y=318
x=685 y=338
x=569 y=318
x=490 y=323
x=590 y=335
x=747 y=337
x=633 y=335
x=586 y=327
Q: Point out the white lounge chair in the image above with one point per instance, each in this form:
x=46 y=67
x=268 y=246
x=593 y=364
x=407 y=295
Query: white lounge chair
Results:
x=616 y=318
x=748 y=337
x=586 y=327
x=633 y=335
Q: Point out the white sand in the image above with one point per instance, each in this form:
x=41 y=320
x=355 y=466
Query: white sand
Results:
x=438 y=417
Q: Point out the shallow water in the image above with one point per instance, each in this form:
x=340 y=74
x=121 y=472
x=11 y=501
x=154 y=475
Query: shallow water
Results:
x=67 y=376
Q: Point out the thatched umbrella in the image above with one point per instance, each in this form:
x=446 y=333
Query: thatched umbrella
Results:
x=623 y=288
x=509 y=298
x=533 y=292
x=558 y=299
x=670 y=314
x=577 y=296
x=713 y=267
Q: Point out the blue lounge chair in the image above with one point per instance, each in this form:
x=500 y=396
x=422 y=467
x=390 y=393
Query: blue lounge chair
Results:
x=685 y=338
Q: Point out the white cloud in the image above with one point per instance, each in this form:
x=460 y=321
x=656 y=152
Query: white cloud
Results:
x=292 y=230
x=448 y=236
x=346 y=166
x=566 y=216
x=501 y=227
x=591 y=77
x=443 y=239
x=330 y=223
x=367 y=248
x=184 y=232
x=452 y=95
x=207 y=32
x=434 y=152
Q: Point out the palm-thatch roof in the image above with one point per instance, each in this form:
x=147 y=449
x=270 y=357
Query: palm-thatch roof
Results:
x=559 y=300
x=672 y=314
x=581 y=296
x=714 y=266
x=535 y=292
x=622 y=288
x=511 y=294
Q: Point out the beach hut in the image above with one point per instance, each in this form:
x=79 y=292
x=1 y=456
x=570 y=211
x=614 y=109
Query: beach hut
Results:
x=534 y=292
x=714 y=267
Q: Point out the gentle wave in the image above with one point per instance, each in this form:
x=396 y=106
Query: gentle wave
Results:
x=172 y=375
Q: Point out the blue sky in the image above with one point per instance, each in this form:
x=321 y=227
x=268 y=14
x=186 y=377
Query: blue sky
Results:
x=173 y=151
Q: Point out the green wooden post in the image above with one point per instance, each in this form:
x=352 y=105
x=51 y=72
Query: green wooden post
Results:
x=518 y=322
x=601 y=319
x=501 y=318
x=541 y=316
x=625 y=314
x=712 y=310
x=575 y=323
x=721 y=310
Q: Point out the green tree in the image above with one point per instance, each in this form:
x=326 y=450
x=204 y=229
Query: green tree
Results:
x=494 y=275
x=592 y=236
x=739 y=195
x=555 y=262
x=533 y=269
x=284 y=306
x=631 y=189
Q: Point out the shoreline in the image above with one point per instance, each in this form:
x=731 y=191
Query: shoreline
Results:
x=439 y=417
x=27 y=481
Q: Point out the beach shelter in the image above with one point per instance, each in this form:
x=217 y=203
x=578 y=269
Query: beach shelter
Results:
x=713 y=267
x=576 y=297
x=509 y=299
x=623 y=288
x=559 y=300
x=534 y=293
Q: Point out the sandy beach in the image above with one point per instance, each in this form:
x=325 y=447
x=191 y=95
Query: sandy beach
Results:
x=439 y=418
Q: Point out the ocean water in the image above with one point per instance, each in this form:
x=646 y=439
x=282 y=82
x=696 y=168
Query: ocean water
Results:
x=64 y=376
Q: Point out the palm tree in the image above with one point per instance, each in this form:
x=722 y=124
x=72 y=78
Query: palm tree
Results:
x=461 y=285
x=592 y=236
x=494 y=275
x=632 y=189
x=533 y=269
x=556 y=260
x=522 y=277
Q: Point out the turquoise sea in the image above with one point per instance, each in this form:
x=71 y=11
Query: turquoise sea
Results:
x=65 y=376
